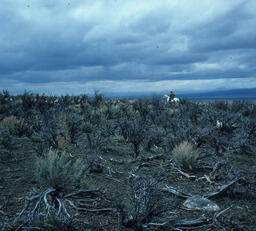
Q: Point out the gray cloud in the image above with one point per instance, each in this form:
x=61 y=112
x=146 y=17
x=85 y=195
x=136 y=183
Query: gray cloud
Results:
x=232 y=30
x=83 y=41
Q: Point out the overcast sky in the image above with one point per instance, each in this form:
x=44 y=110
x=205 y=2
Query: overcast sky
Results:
x=119 y=46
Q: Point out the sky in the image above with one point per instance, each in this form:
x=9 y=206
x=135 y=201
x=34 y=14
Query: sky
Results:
x=127 y=46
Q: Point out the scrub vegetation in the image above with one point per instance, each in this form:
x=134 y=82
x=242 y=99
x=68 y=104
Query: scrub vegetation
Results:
x=96 y=163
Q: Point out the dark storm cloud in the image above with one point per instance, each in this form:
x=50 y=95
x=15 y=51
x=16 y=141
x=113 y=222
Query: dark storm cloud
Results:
x=82 y=41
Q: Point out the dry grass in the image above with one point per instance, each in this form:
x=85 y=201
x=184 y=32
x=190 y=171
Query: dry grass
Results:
x=184 y=156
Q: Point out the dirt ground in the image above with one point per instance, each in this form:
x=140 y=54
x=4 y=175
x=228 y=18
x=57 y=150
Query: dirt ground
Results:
x=17 y=182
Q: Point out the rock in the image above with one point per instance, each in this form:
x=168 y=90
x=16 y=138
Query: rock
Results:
x=198 y=202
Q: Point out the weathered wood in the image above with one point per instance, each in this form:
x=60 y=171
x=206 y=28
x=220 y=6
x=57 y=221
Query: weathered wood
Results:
x=176 y=192
x=93 y=192
x=174 y=224
x=221 y=190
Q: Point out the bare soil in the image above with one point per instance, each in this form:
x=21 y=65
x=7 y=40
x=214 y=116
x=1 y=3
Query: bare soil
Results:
x=17 y=182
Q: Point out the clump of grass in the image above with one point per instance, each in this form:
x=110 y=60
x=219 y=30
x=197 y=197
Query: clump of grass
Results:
x=59 y=171
x=184 y=156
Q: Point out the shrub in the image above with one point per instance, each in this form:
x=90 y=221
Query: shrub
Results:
x=28 y=101
x=94 y=162
x=7 y=140
x=73 y=122
x=220 y=105
x=147 y=201
x=156 y=103
x=14 y=126
x=44 y=103
x=185 y=156
x=135 y=131
x=58 y=171
x=65 y=101
x=96 y=117
x=153 y=137
x=161 y=120
x=97 y=99
x=96 y=137
x=6 y=103
x=108 y=128
x=4 y=97
x=49 y=127
x=142 y=106
x=115 y=112
x=245 y=107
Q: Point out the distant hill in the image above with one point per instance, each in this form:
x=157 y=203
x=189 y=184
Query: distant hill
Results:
x=228 y=94
x=249 y=94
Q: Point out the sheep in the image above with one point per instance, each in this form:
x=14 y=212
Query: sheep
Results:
x=219 y=124
x=168 y=100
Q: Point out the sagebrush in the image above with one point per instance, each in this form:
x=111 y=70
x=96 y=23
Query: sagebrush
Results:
x=59 y=171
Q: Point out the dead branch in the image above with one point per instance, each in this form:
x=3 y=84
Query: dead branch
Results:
x=132 y=176
x=181 y=224
x=176 y=192
x=39 y=207
x=221 y=212
x=217 y=166
x=72 y=204
x=101 y=158
x=221 y=190
x=97 y=210
x=31 y=228
x=113 y=171
x=212 y=195
x=22 y=225
x=157 y=224
x=191 y=177
x=114 y=179
x=207 y=178
x=88 y=200
x=116 y=161
x=156 y=157
x=42 y=207
x=216 y=216
x=31 y=199
x=141 y=165
x=88 y=192
x=197 y=223
x=79 y=208
x=3 y=205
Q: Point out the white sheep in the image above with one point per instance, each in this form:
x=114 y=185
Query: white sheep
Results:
x=168 y=100
x=219 y=124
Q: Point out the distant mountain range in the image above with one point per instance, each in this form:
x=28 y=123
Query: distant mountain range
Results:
x=247 y=94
